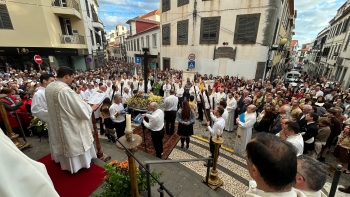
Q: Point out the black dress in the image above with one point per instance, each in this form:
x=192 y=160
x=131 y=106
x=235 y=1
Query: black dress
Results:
x=185 y=130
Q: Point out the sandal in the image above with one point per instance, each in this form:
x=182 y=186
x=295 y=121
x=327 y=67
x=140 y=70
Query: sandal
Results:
x=345 y=172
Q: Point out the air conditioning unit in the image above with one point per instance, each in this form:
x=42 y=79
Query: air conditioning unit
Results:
x=75 y=31
x=69 y=39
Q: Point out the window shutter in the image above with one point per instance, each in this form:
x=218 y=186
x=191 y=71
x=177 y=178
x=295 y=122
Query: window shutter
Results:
x=246 y=29
x=182 y=2
x=210 y=30
x=5 y=20
x=166 y=34
x=165 y=5
x=182 y=32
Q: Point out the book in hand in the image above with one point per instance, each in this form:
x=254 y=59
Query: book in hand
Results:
x=241 y=117
x=96 y=98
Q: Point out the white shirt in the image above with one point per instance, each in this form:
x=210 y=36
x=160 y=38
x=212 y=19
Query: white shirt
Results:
x=298 y=142
x=126 y=97
x=219 y=125
x=219 y=96
x=113 y=109
x=166 y=87
x=224 y=115
x=170 y=103
x=180 y=92
x=206 y=102
x=319 y=93
x=39 y=106
x=156 y=120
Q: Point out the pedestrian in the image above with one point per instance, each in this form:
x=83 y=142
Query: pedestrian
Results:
x=170 y=108
x=69 y=125
x=155 y=126
x=186 y=117
x=117 y=114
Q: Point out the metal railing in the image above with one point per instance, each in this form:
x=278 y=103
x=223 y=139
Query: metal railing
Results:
x=66 y=4
x=162 y=188
x=72 y=39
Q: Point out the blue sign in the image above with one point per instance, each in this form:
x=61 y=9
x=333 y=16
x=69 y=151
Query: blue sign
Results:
x=137 y=60
x=88 y=59
x=191 y=65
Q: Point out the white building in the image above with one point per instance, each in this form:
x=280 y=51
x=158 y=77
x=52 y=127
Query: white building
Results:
x=144 y=33
x=247 y=35
x=115 y=39
x=94 y=30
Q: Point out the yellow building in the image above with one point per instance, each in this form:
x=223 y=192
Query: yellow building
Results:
x=281 y=57
x=52 y=29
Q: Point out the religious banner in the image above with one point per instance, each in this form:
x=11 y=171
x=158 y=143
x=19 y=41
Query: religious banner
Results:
x=208 y=83
x=187 y=75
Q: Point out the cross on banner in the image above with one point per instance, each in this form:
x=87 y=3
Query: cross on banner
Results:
x=145 y=58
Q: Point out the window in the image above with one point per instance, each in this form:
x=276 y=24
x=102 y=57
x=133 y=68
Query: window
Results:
x=338 y=29
x=5 y=20
x=134 y=45
x=347 y=43
x=182 y=32
x=247 y=27
x=182 y=2
x=166 y=34
x=210 y=29
x=147 y=41
x=92 y=38
x=138 y=44
x=345 y=26
x=142 y=42
x=154 y=40
x=123 y=28
x=165 y=5
x=87 y=8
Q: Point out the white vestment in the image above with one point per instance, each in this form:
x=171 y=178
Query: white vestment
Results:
x=39 y=107
x=244 y=130
x=20 y=175
x=166 y=89
x=70 y=127
x=231 y=107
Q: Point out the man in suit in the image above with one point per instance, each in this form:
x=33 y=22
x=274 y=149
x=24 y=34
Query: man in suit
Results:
x=301 y=118
x=309 y=132
x=276 y=126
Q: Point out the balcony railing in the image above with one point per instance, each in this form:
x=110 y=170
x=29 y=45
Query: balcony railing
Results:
x=72 y=39
x=66 y=4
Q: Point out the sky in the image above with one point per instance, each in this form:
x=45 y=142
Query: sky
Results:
x=312 y=15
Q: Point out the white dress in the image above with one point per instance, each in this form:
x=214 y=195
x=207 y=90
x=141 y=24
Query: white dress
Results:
x=244 y=130
x=70 y=128
x=231 y=107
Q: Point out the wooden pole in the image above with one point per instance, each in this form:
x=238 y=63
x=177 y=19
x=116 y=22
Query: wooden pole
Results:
x=14 y=137
x=104 y=157
x=133 y=177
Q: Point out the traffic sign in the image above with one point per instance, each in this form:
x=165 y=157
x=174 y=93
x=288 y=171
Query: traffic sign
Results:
x=88 y=59
x=38 y=59
x=191 y=64
x=191 y=57
x=137 y=60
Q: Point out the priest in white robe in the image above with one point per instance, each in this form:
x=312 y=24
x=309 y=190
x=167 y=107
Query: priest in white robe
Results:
x=20 y=175
x=70 y=127
x=166 y=89
x=245 y=123
x=231 y=107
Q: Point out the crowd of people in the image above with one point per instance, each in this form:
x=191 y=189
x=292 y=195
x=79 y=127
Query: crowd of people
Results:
x=304 y=121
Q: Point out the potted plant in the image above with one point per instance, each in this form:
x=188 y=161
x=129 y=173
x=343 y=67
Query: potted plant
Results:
x=117 y=180
x=38 y=126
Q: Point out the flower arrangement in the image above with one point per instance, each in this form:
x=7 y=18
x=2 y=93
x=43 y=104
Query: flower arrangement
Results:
x=117 y=180
x=38 y=125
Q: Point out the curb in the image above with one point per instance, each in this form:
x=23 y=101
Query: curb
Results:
x=206 y=140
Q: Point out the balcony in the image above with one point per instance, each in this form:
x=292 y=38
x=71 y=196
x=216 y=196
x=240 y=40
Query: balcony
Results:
x=96 y=22
x=72 y=39
x=66 y=7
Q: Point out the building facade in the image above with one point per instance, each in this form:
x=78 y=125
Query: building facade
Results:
x=144 y=33
x=116 y=39
x=55 y=30
x=222 y=38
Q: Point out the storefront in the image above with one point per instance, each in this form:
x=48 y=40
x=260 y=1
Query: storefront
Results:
x=23 y=57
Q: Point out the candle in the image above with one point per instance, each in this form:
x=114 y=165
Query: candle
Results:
x=128 y=123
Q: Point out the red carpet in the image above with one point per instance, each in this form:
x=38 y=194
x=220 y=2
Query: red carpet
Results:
x=169 y=142
x=80 y=184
